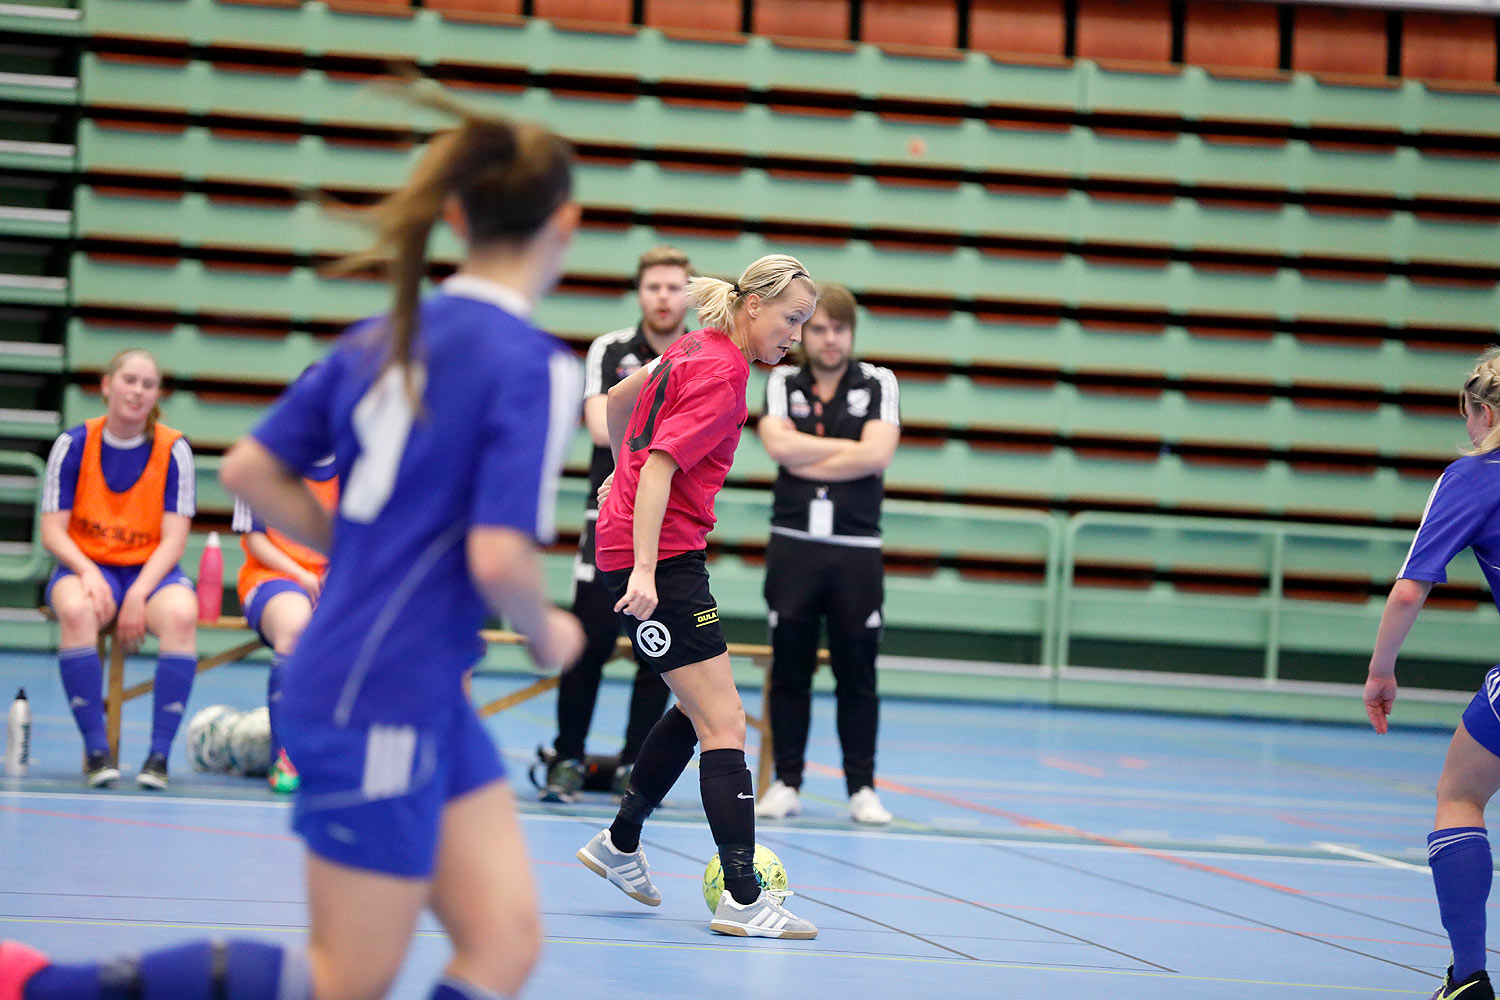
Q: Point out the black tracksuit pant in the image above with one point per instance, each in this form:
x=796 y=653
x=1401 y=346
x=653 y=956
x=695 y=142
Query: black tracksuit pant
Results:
x=809 y=583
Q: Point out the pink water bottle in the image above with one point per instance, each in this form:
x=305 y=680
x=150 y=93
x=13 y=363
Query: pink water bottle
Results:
x=211 y=580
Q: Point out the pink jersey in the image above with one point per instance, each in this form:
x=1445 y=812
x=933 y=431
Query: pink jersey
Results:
x=693 y=409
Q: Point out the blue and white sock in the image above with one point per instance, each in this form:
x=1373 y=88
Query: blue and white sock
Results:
x=1462 y=869
x=234 y=970
x=174 y=683
x=83 y=683
x=453 y=988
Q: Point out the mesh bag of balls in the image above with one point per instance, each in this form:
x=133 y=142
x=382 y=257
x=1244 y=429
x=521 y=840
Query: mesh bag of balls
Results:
x=223 y=740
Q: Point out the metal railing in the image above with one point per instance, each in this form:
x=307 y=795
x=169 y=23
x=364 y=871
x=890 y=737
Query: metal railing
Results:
x=1276 y=534
x=38 y=559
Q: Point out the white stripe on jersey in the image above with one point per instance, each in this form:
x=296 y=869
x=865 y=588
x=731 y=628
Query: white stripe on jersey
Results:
x=52 y=484
x=562 y=424
x=389 y=754
x=244 y=520
x=776 y=390
x=1425 y=511
x=593 y=379
x=890 y=398
x=187 y=486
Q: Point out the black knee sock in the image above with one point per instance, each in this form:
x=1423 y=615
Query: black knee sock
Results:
x=665 y=753
x=724 y=781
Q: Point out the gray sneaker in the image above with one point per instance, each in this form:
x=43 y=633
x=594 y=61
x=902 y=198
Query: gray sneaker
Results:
x=628 y=871
x=766 y=917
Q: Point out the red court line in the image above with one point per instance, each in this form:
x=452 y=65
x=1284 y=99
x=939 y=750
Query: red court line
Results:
x=1143 y=798
x=1032 y=822
x=1309 y=824
x=1074 y=767
x=51 y=814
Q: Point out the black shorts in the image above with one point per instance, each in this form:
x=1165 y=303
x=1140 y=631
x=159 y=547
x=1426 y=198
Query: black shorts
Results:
x=685 y=627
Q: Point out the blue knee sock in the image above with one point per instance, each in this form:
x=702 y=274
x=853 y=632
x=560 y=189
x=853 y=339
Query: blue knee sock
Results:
x=234 y=970
x=174 y=683
x=273 y=702
x=1462 y=870
x=83 y=683
x=453 y=988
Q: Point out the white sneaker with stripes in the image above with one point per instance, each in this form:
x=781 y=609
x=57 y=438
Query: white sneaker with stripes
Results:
x=628 y=871
x=766 y=917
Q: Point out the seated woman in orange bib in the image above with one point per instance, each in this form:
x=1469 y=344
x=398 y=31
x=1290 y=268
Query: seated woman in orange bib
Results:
x=278 y=586
x=116 y=508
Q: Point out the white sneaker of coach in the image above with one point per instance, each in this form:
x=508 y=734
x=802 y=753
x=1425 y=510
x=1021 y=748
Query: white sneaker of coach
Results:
x=780 y=801
x=865 y=807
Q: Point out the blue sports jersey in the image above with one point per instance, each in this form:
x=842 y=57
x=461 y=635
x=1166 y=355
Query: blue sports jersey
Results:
x=397 y=621
x=122 y=462
x=1462 y=512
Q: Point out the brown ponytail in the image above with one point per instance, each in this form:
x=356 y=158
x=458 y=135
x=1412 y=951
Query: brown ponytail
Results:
x=509 y=177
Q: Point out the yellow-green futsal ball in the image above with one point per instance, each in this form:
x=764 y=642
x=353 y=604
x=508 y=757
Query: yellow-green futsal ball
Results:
x=768 y=872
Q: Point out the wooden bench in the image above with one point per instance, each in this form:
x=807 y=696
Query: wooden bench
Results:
x=112 y=653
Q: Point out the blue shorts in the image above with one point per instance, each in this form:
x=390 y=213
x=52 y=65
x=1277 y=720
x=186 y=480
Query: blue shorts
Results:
x=120 y=578
x=1482 y=717
x=372 y=797
x=261 y=596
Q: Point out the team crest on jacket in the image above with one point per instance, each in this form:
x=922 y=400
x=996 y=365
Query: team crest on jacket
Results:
x=859 y=402
x=798 y=405
x=627 y=367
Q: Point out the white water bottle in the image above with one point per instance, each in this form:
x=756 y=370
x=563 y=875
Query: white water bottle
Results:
x=18 y=736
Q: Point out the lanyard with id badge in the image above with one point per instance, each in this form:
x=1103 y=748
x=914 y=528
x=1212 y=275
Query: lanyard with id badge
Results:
x=820 y=515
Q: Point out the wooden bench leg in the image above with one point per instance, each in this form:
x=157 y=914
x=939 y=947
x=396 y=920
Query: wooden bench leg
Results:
x=232 y=655
x=116 y=700
x=119 y=694
x=763 y=725
x=540 y=686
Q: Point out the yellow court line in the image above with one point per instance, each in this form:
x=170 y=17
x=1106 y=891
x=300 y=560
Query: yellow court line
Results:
x=793 y=951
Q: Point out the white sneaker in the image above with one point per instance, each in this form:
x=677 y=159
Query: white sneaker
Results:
x=865 y=807
x=766 y=917
x=779 y=802
x=627 y=871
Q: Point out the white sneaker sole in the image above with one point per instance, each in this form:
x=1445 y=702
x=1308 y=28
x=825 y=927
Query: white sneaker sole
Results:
x=605 y=872
x=155 y=782
x=104 y=778
x=741 y=930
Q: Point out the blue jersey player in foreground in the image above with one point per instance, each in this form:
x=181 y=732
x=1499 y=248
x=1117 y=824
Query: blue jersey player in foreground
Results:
x=449 y=419
x=1463 y=512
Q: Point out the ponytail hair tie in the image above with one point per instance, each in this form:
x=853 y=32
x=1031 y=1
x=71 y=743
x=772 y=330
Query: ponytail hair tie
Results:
x=736 y=286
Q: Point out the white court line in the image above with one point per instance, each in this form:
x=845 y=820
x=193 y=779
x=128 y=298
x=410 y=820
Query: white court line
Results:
x=1378 y=859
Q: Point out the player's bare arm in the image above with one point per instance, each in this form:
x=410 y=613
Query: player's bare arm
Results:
x=621 y=402
x=277 y=493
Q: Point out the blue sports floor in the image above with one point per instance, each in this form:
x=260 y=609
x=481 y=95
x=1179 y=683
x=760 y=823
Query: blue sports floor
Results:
x=1035 y=853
